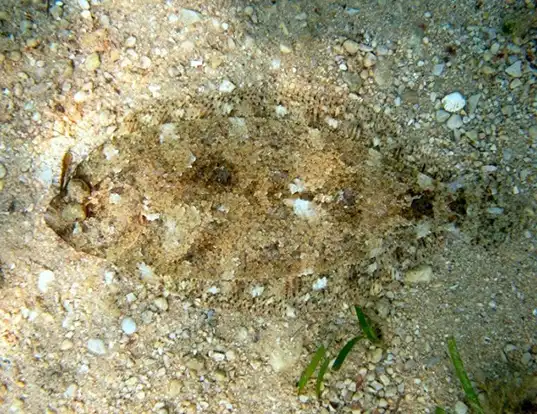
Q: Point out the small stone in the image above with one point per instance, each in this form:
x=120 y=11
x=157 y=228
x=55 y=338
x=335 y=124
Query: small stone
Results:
x=145 y=62
x=509 y=348
x=226 y=86
x=495 y=211
x=285 y=49
x=516 y=83
x=46 y=277
x=220 y=375
x=93 y=62
x=438 y=69
x=130 y=42
x=472 y=135
x=526 y=358
x=161 y=303
x=472 y=103
x=174 y=388
x=86 y=14
x=425 y=182
x=32 y=43
x=442 y=116
x=189 y=17
x=532 y=133
x=96 y=346
x=420 y=274
x=15 y=56
x=453 y=102
x=66 y=345
x=370 y=60
x=128 y=326
x=351 y=47
x=73 y=212
x=515 y=70
x=80 y=96
x=77 y=190
x=84 y=5
x=454 y=121
x=3 y=171
x=376 y=356
x=460 y=408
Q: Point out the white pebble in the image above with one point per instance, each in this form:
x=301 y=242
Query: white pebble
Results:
x=285 y=49
x=304 y=208
x=128 y=326
x=84 y=4
x=453 y=102
x=226 y=86
x=80 y=96
x=189 y=17
x=320 y=284
x=145 y=62
x=438 y=69
x=96 y=346
x=46 y=277
x=146 y=272
x=257 y=291
x=130 y=42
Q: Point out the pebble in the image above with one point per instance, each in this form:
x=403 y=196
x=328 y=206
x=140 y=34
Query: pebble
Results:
x=453 y=102
x=526 y=358
x=174 y=388
x=145 y=62
x=442 y=116
x=128 y=326
x=351 y=47
x=46 y=277
x=460 y=408
x=84 y=5
x=370 y=60
x=515 y=70
x=532 y=132
x=80 y=96
x=438 y=69
x=454 y=121
x=161 y=303
x=376 y=356
x=516 y=83
x=96 y=346
x=130 y=42
x=3 y=171
x=15 y=56
x=189 y=17
x=66 y=345
x=472 y=103
x=285 y=49
x=226 y=86
x=420 y=274
x=93 y=62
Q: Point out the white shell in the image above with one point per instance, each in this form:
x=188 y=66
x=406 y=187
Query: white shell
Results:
x=453 y=102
